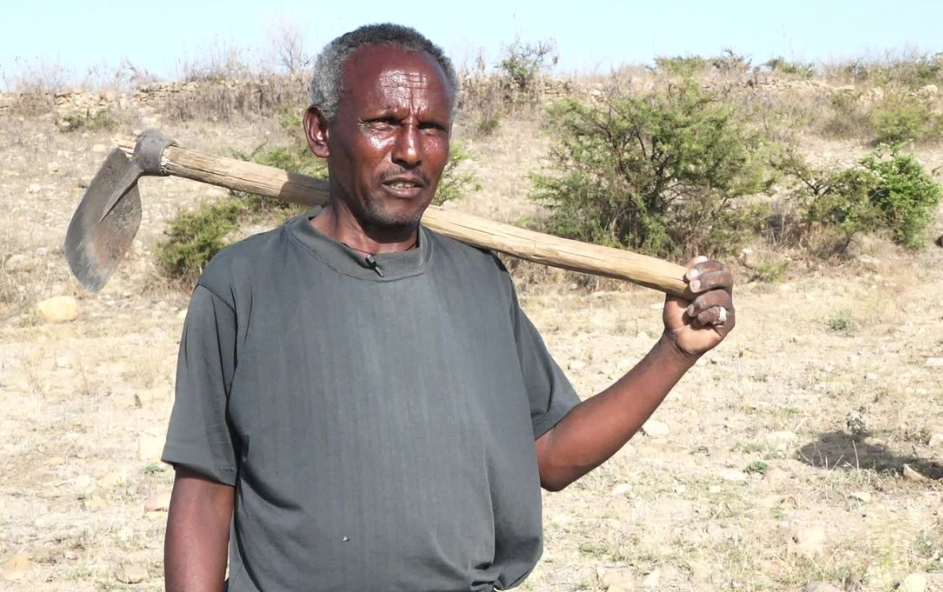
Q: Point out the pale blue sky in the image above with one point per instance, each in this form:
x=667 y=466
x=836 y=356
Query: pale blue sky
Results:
x=591 y=34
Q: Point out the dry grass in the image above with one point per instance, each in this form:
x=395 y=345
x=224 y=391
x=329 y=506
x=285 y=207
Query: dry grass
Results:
x=697 y=507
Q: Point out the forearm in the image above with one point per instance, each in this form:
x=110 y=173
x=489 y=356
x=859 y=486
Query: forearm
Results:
x=197 y=542
x=598 y=427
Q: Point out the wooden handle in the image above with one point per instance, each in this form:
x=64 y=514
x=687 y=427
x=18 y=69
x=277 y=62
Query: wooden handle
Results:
x=473 y=230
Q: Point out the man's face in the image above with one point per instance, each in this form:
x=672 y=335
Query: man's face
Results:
x=389 y=141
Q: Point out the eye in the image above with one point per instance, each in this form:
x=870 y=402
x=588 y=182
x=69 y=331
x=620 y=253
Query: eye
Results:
x=380 y=123
x=432 y=127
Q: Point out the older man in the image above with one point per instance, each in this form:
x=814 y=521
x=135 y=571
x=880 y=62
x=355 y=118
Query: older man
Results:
x=361 y=402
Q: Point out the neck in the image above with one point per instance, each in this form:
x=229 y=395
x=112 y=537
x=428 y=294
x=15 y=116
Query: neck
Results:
x=338 y=222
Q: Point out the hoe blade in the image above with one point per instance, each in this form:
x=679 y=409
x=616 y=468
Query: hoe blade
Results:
x=98 y=237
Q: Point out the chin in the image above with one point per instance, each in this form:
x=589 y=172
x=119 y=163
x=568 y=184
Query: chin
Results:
x=382 y=215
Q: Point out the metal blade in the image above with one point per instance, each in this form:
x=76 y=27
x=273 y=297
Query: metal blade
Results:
x=98 y=238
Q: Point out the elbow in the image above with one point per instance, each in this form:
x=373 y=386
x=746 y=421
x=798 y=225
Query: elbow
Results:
x=554 y=483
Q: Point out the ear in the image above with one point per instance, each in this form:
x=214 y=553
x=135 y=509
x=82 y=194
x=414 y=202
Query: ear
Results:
x=316 y=131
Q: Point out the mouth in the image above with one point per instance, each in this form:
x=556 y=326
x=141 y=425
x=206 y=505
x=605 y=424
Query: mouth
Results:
x=404 y=187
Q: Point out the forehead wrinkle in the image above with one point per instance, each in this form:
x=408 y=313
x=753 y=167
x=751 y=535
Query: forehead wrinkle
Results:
x=395 y=79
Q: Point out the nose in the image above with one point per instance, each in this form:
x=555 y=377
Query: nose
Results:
x=407 y=150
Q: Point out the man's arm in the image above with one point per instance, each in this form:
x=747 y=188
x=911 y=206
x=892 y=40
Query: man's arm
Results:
x=197 y=541
x=598 y=427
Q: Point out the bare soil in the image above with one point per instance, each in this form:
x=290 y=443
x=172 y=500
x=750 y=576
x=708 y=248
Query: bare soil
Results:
x=784 y=458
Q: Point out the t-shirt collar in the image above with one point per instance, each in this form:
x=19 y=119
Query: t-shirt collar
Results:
x=343 y=259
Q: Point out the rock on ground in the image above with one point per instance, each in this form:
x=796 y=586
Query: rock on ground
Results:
x=655 y=429
x=59 y=309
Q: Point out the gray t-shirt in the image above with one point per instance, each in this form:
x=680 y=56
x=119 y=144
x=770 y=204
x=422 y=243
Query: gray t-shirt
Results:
x=377 y=420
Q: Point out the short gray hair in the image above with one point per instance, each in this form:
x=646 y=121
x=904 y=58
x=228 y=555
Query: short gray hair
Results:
x=326 y=82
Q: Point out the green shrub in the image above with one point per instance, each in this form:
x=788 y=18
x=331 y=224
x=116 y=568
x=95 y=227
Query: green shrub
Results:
x=769 y=272
x=684 y=66
x=196 y=237
x=841 y=322
x=663 y=173
x=886 y=190
x=758 y=467
x=455 y=184
x=522 y=64
x=782 y=66
x=904 y=193
x=906 y=119
x=88 y=121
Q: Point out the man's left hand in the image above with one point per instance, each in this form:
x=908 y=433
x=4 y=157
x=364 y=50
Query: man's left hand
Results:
x=697 y=326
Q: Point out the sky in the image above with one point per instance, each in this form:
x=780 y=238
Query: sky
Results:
x=591 y=35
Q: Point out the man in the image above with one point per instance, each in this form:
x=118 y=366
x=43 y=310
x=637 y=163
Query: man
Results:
x=363 y=399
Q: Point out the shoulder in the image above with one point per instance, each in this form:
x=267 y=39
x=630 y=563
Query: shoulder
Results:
x=482 y=264
x=476 y=258
x=231 y=271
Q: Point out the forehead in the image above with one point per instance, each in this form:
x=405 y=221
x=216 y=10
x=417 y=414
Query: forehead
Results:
x=385 y=72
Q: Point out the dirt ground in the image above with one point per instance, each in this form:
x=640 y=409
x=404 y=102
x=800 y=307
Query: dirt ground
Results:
x=807 y=448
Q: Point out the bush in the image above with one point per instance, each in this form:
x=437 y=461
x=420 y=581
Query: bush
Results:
x=91 y=121
x=887 y=190
x=904 y=193
x=906 y=119
x=685 y=66
x=782 y=66
x=196 y=237
x=663 y=174
x=522 y=64
x=453 y=183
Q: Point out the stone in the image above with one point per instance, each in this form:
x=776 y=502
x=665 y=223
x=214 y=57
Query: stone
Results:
x=820 y=587
x=59 y=309
x=34 y=188
x=95 y=502
x=862 y=496
x=150 y=446
x=655 y=429
x=612 y=579
x=99 y=149
x=621 y=489
x=809 y=541
x=111 y=480
x=159 y=502
x=701 y=573
x=15 y=567
x=652 y=580
x=930 y=89
x=915 y=582
x=624 y=365
x=19 y=263
x=132 y=573
x=936 y=440
x=734 y=475
x=576 y=365
x=82 y=482
x=934 y=363
x=912 y=474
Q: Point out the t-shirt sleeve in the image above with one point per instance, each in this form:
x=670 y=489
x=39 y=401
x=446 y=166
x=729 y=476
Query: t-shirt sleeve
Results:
x=550 y=392
x=199 y=435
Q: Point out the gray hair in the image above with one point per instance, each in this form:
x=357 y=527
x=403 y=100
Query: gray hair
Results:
x=326 y=85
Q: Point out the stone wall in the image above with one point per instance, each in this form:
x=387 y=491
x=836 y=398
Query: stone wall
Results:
x=258 y=94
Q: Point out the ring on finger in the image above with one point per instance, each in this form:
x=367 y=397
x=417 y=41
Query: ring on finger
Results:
x=722 y=317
